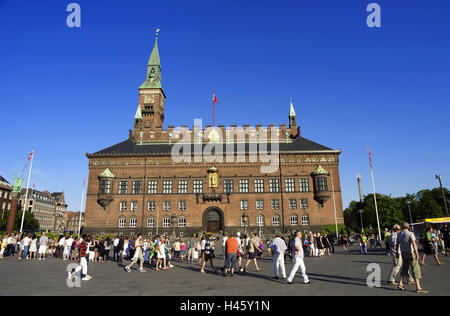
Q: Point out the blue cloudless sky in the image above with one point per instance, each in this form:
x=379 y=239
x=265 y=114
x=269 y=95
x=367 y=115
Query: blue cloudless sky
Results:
x=68 y=91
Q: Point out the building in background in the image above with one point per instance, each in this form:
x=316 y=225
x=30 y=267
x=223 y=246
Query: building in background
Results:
x=60 y=212
x=73 y=221
x=48 y=209
x=136 y=187
x=5 y=196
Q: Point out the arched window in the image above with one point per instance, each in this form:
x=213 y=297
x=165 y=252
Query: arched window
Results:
x=122 y=222
x=166 y=221
x=276 y=220
x=305 y=220
x=150 y=222
x=293 y=220
x=181 y=221
x=133 y=222
x=260 y=220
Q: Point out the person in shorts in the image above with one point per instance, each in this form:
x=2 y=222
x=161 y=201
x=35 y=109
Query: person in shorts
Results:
x=208 y=255
x=407 y=246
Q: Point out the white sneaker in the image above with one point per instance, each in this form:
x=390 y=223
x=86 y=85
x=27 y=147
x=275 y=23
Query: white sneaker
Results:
x=170 y=265
x=85 y=278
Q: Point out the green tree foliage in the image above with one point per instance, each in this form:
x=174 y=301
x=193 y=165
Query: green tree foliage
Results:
x=29 y=222
x=394 y=210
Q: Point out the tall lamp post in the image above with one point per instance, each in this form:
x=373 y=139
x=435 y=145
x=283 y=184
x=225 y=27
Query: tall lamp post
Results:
x=362 y=225
x=245 y=221
x=438 y=176
x=174 y=222
x=408 y=202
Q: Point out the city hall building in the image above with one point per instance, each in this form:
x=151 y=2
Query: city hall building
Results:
x=214 y=179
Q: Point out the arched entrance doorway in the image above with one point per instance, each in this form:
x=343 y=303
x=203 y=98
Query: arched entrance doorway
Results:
x=213 y=220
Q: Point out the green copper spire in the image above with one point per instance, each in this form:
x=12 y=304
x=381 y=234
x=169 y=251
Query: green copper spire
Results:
x=138 y=113
x=291 y=110
x=153 y=79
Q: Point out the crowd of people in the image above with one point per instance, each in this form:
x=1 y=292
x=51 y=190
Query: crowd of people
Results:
x=240 y=252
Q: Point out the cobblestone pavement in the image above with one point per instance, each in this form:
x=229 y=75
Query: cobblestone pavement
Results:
x=339 y=274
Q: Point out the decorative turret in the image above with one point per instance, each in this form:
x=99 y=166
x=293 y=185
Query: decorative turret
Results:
x=106 y=179
x=320 y=180
x=293 y=130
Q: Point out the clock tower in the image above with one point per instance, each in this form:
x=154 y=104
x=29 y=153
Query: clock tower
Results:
x=150 y=113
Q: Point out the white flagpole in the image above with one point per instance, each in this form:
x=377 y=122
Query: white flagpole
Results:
x=334 y=204
x=157 y=220
x=375 y=200
x=26 y=192
x=81 y=208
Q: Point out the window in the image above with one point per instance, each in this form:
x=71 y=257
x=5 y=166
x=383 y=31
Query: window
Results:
x=105 y=187
x=290 y=185
x=151 y=206
x=259 y=185
x=275 y=204
x=134 y=206
x=198 y=186
x=276 y=220
x=150 y=222
x=137 y=186
x=123 y=206
x=305 y=220
x=182 y=221
x=167 y=187
x=304 y=203
x=260 y=221
x=166 y=206
x=292 y=204
x=321 y=184
x=304 y=185
x=166 y=221
x=244 y=205
x=133 y=222
x=243 y=186
x=123 y=187
x=152 y=187
x=182 y=205
x=259 y=204
x=293 y=220
x=182 y=187
x=274 y=185
x=122 y=222
x=228 y=186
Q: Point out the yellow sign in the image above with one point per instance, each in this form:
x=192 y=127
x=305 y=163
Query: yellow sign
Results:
x=438 y=220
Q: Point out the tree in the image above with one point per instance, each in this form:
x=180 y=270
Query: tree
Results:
x=29 y=222
x=428 y=205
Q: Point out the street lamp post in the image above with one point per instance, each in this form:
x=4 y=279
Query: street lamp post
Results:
x=408 y=202
x=438 y=176
x=245 y=220
x=362 y=225
x=174 y=221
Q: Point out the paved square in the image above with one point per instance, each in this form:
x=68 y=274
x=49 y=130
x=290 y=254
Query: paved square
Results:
x=339 y=274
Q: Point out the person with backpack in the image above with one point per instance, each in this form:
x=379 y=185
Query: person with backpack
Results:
x=138 y=255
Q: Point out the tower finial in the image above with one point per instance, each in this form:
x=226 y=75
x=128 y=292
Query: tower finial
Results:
x=157 y=33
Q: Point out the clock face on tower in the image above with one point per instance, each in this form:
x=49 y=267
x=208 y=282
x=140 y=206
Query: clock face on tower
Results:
x=149 y=98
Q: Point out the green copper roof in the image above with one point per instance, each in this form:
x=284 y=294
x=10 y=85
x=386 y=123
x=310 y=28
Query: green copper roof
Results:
x=138 y=113
x=107 y=174
x=291 y=110
x=154 y=57
x=320 y=171
x=153 y=79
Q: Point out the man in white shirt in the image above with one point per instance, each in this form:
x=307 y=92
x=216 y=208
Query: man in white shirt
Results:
x=278 y=248
x=26 y=246
x=61 y=246
x=68 y=248
x=224 y=241
x=115 y=253
x=297 y=249
x=42 y=246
